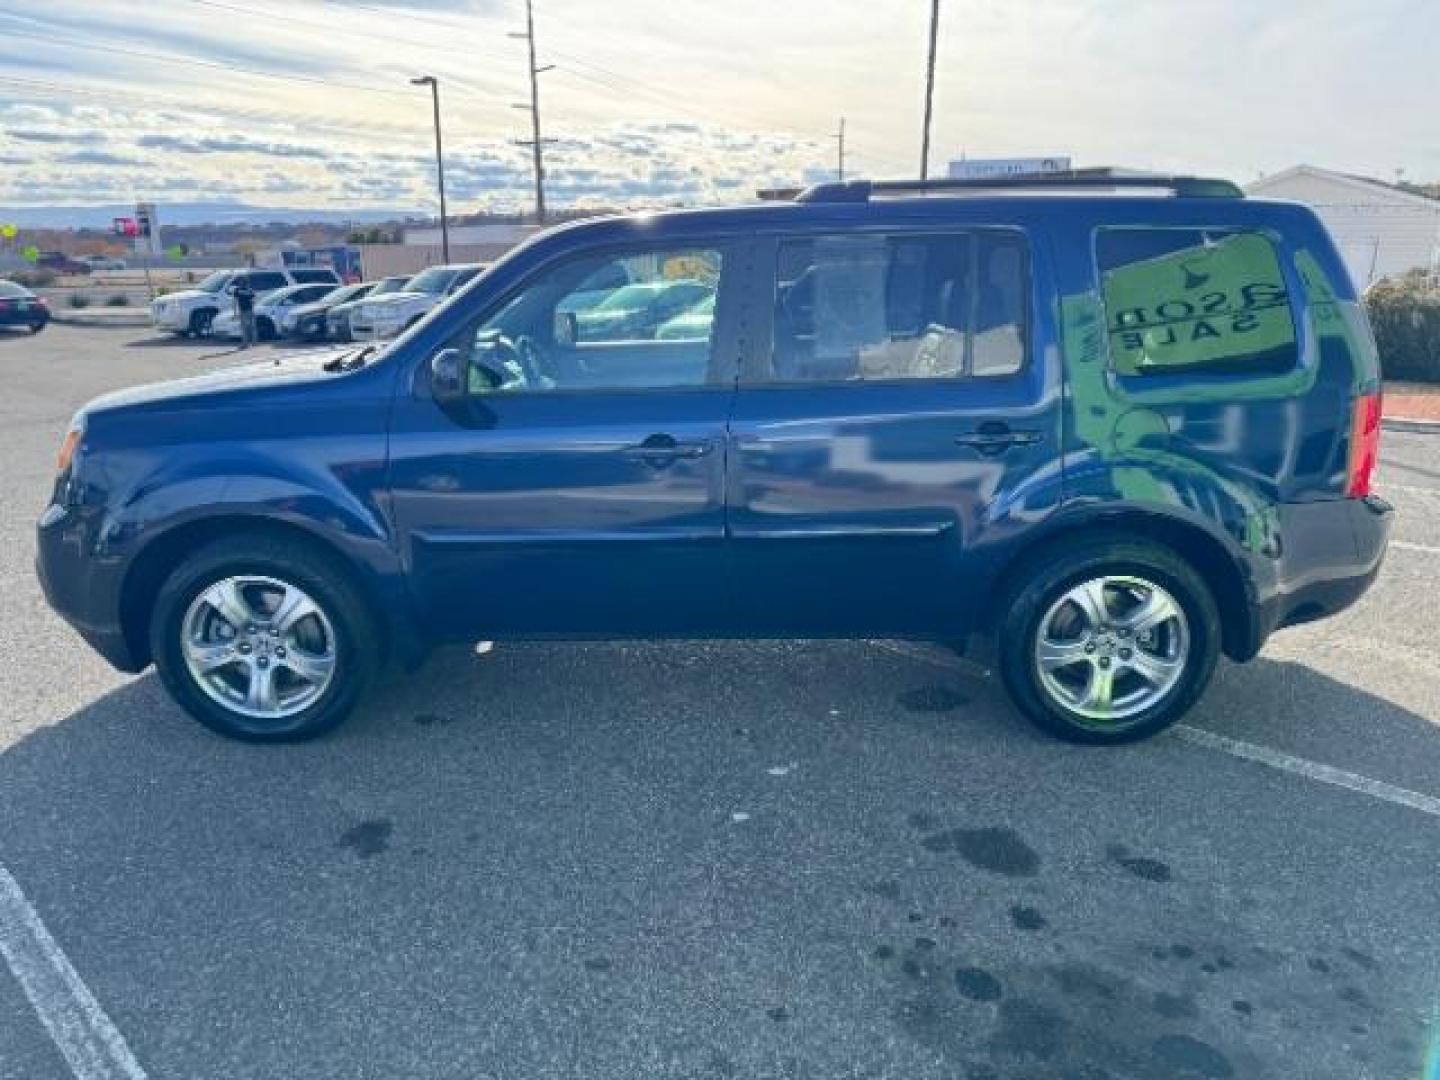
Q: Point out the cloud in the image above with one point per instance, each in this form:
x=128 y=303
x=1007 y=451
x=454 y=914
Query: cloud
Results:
x=98 y=157
x=229 y=145
x=74 y=137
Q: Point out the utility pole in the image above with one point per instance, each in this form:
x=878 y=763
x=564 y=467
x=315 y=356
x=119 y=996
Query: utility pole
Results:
x=839 y=138
x=535 y=142
x=929 y=90
x=434 y=84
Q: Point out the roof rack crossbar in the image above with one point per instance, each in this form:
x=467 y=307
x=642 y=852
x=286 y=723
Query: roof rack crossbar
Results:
x=1075 y=179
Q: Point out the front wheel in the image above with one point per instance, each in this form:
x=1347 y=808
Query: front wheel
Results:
x=200 y=323
x=262 y=639
x=35 y=328
x=1110 y=642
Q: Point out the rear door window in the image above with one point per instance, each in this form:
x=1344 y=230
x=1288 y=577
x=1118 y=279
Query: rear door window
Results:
x=1194 y=300
x=265 y=280
x=914 y=306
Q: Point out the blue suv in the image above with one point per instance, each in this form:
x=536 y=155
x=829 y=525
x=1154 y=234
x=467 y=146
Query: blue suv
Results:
x=1123 y=424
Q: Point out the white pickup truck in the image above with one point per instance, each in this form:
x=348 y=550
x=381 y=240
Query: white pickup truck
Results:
x=190 y=312
x=379 y=317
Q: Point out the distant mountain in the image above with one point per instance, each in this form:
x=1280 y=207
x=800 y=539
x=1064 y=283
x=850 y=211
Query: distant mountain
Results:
x=192 y=213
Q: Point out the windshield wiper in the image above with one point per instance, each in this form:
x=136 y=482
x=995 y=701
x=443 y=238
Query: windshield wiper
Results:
x=350 y=361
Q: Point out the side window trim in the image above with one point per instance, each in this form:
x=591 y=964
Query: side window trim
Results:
x=756 y=361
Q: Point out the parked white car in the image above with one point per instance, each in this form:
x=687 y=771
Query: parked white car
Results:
x=191 y=312
x=102 y=262
x=380 y=317
x=274 y=312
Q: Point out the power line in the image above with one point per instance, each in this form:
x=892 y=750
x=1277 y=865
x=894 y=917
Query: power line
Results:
x=332 y=27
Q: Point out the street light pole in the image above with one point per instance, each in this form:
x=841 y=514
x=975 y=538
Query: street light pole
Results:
x=434 y=84
x=929 y=90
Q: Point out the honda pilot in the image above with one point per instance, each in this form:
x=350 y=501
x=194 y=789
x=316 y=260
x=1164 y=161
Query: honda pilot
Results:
x=1123 y=425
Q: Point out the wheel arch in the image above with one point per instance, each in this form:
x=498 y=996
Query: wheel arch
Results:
x=1221 y=568
x=154 y=562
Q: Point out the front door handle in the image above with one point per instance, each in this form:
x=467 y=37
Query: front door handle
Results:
x=993 y=439
x=663 y=449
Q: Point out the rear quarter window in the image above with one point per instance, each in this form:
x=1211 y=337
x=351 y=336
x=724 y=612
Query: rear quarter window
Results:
x=1194 y=300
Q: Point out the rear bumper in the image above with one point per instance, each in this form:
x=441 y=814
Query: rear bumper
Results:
x=1330 y=554
x=83 y=588
x=33 y=317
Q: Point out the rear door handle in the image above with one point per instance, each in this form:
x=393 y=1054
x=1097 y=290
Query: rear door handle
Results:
x=663 y=449
x=997 y=439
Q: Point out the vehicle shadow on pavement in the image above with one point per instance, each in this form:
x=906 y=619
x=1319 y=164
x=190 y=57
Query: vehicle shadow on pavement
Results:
x=1294 y=708
x=737 y=859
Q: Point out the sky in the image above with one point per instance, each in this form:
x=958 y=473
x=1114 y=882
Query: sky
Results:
x=307 y=103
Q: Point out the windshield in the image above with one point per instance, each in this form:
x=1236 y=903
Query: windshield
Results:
x=216 y=281
x=433 y=281
x=632 y=297
x=389 y=285
x=343 y=293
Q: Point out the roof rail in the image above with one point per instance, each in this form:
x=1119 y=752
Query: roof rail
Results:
x=858 y=191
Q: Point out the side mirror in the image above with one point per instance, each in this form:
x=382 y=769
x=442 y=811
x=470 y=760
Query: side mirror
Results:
x=567 y=328
x=449 y=376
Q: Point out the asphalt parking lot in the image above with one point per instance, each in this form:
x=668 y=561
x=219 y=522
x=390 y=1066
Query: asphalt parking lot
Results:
x=751 y=860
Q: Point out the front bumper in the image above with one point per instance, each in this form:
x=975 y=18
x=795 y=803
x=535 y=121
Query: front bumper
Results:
x=169 y=318
x=379 y=330
x=83 y=588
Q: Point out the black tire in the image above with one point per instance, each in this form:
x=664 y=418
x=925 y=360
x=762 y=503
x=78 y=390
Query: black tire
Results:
x=1047 y=580
x=265 y=330
x=357 y=643
x=200 y=322
x=35 y=328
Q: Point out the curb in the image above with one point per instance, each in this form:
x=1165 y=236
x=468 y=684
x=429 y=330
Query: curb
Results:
x=1403 y=423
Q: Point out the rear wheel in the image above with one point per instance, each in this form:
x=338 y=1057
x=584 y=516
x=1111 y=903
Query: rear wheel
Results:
x=262 y=639
x=1110 y=642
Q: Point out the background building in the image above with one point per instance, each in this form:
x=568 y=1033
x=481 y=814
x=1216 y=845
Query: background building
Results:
x=1382 y=229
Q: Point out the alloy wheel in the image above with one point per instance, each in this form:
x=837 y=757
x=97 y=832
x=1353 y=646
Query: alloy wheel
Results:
x=259 y=646
x=1111 y=647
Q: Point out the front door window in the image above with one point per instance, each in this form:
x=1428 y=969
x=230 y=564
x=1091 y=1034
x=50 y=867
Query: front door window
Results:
x=630 y=321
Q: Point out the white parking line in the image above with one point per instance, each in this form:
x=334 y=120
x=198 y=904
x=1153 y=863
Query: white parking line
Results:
x=91 y=1045
x=1264 y=755
x=1406 y=545
x=1311 y=770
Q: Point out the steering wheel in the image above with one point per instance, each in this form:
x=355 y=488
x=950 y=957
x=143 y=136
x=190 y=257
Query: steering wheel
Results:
x=527 y=355
x=507 y=362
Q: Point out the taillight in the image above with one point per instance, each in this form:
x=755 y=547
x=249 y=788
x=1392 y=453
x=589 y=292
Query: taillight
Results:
x=42 y=301
x=1364 y=446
